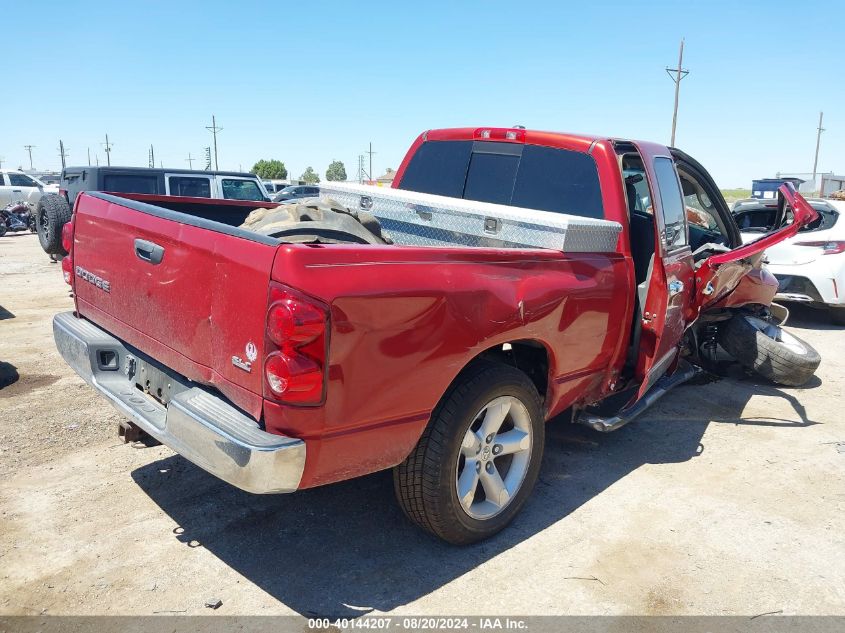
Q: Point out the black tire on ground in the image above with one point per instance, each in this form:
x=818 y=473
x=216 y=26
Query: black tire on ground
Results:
x=2 y=228
x=426 y=483
x=52 y=213
x=769 y=350
x=837 y=316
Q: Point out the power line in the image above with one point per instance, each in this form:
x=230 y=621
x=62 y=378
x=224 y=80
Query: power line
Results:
x=679 y=73
x=214 y=130
x=28 y=148
x=818 y=142
x=107 y=147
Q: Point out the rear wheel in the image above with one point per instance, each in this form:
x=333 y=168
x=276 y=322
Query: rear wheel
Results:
x=52 y=213
x=769 y=350
x=478 y=459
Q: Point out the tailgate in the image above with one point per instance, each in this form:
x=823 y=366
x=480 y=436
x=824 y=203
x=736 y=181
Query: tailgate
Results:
x=190 y=292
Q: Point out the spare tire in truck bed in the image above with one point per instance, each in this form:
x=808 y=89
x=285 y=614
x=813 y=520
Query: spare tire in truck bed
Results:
x=315 y=220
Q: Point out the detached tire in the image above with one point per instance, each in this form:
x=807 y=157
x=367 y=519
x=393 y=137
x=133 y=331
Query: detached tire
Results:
x=479 y=457
x=52 y=213
x=769 y=350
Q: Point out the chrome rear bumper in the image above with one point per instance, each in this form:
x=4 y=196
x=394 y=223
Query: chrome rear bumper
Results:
x=199 y=425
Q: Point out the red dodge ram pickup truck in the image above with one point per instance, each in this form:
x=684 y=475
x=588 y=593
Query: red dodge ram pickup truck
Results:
x=279 y=364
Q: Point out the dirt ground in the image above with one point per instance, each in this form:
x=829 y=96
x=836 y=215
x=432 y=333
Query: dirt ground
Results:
x=726 y=498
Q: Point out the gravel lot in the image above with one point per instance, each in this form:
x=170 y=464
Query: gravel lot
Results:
x=726 y=498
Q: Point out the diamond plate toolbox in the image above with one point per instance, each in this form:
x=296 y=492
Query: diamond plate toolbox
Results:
x=421 y=219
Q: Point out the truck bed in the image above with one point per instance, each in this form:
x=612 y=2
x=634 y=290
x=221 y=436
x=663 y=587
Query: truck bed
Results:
x=403 y=321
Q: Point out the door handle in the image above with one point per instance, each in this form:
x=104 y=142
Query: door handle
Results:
x=676 y=286
x=149 y=251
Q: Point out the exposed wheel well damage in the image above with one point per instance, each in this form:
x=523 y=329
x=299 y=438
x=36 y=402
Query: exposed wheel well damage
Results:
x=529 y=356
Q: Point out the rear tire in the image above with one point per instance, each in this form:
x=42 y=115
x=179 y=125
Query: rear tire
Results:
x=769 y=350
x=485 y=438
x=52 y=213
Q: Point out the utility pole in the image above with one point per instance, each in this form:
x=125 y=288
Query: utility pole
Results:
x=107 y=146
x=676 y=74
x=371 y=152
x=207 y=159
x=818 y=142
x=62 y=152
x=2 y=158
x=152 y=157
x=361 y=171
x=190 y=161
x=214 y=130
x=28 y=148
x=89 y=156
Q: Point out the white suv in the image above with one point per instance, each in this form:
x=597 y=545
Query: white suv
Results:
x=16 y=185
x=810 y=266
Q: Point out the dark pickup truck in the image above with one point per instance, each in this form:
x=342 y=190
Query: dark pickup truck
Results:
x=279 y=362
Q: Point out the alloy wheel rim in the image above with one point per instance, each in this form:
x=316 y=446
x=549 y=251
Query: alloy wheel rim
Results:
x=494 y=457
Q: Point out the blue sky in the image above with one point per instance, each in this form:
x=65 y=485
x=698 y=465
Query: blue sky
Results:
x=311 y=82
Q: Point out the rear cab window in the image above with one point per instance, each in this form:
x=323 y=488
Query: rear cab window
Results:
x=530 y=176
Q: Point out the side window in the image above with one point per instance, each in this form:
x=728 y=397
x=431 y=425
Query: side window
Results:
x=190 y=186
x=125 y=183
x=21 y=180
x=674 y=220
x=241 y=190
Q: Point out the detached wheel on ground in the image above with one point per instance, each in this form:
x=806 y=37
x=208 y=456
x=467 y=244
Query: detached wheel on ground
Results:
x=479 y=457
x=52 y=213
x=769 y=350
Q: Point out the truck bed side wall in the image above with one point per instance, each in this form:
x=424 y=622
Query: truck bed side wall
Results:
x=405 y=321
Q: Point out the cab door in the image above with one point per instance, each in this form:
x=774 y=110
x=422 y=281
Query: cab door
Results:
x=672 y=272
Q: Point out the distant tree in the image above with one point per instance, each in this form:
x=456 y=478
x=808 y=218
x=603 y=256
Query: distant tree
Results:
x=270 y=169
x=310 y=176
x=336 y=171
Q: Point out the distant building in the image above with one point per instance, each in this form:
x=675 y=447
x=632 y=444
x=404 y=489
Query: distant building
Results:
x=386 y=179
x=824 y=184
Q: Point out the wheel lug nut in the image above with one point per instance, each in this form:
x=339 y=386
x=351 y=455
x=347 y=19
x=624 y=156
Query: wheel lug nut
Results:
x=497 y=449
x=478 y=467
x=489 y=467
x=489 y=438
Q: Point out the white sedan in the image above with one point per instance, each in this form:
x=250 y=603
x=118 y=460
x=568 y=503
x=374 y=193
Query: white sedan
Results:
x=810 y=266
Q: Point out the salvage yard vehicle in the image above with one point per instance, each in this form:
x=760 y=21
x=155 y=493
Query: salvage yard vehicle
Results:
x=54 y=210
x=810 y=266
x=523 y=275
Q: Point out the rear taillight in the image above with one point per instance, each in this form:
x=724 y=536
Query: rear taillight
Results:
x=67 y=245
x=295 y=345
x=831 y=247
